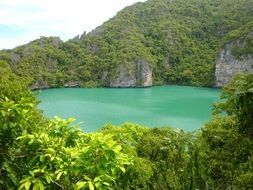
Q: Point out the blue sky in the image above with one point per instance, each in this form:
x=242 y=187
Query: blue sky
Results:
x=24 y=20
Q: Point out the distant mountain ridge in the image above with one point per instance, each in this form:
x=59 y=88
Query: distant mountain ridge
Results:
x=152 y=43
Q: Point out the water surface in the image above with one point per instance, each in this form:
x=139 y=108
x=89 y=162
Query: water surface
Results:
x=182 y=107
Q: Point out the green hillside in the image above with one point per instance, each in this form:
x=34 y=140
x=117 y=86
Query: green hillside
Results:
x=179 y=39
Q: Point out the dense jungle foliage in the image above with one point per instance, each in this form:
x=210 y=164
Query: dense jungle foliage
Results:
x=180 y=39
x=38 y=153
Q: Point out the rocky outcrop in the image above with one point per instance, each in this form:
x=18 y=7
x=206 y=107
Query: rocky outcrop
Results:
x=137 y=74
x=39 y=84
x=228 y=65
x=72 y=84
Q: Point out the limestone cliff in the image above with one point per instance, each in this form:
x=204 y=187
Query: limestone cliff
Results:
x=228 y=64
x=137 y=74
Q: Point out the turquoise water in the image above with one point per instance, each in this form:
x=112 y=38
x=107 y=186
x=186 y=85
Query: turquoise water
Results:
x=182 y=107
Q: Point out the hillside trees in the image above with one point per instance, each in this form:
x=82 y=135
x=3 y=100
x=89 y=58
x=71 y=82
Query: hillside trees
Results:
x=179 y=39
x=227 y=138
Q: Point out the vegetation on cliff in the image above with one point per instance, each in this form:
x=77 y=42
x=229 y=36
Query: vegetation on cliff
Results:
x=179 y=39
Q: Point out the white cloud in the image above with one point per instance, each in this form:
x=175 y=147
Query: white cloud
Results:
x=64 y=18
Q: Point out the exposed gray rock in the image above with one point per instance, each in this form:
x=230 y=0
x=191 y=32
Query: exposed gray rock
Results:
x=56 y=41
x=39 y=84
x=166 y=62
x=104 y=76
x=144 y=74
x=125 y=79
x=15 y=58
x=94 y=48
x=136 y=74
x=76 y=38
x=83 y=35
x=228 y=65
x=72 y=84
x=27 y=50
x=96 y=32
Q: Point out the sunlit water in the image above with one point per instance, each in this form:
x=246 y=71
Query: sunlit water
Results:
x=182 y=107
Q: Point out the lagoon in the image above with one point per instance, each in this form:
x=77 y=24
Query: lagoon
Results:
x=181 y=107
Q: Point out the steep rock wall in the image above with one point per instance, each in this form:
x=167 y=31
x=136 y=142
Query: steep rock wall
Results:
x=228 y=65
x=137 y=74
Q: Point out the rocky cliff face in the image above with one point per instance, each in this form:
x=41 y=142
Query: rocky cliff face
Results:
x=227 y=65
x=39 y=84
x=137 y=74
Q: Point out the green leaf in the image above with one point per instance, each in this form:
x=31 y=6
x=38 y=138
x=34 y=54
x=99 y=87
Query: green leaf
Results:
x=80 y=184
x=59 y=175
x=36 y=186
x=117 y=149
x=48 y=179
x=21 y=186
x=107 y=184
x=91 y=186
x=71 y=120
x=122 y=169
x=21 y=137
x=42 y=158
x=3 y=113
x=57 y=118
x=41 y=186
x=36 y=170
x=31 y=141
x=96 y=179
x=87 y=178
x=32 y=173
x=25 y=179
x=27 y=185
x=50 y=150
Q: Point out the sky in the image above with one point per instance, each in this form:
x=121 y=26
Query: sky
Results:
x=22 y=21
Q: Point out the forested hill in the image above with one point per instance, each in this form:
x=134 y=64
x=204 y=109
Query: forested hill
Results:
x=150 y=43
